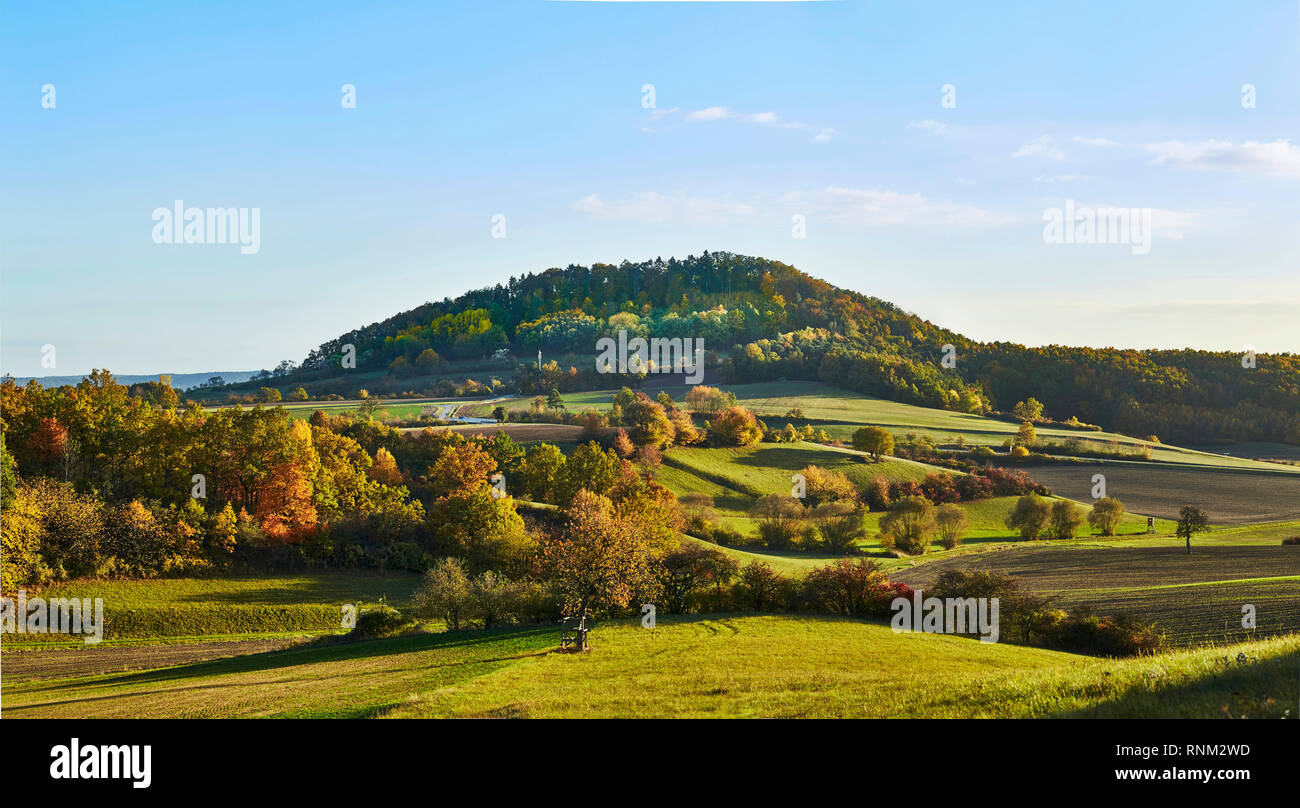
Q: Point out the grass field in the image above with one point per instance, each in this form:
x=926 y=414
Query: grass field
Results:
x=841 y=412
x=758 y=666
x=176 y=609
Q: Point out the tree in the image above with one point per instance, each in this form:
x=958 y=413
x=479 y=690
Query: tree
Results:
x=444 y=592
x=500 y=414
x=597 y=561
x=849 y=588
x=1191 y=519
x=299 y=394
x=685 y=571
x=554 y=401
x=874 y=441
x=827 y=485
x=778 y=520
x=1028 y=410
x=385 y=468
x=762 y=585
x=648 y=422
x=1106 y=515
x=268 y=395
x=1065 y=519
x=908 y=525
x=1025 y=435
x=735 y=426
x=951 y=525
x=1030 y=516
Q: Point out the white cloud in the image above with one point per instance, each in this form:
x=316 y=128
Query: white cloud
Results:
x=851 y=207
x=820 y=134
x=1043 y=147
x=650 y=206
x=1278 y=158
x=877 y=208
x=933 y=127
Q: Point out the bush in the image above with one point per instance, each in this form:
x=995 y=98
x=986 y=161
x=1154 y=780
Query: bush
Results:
x=1105 y=515
x=908 y=525
x=852 y=588
x=1030 y=516
x=1065 y=519
x=763 y=588
x=381 y=620
x=735 y=426
x=1291 y=540
x=951 y=525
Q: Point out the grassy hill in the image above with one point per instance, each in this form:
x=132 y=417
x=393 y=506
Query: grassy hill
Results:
x=758 y=666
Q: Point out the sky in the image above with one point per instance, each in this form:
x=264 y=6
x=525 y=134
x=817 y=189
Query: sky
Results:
x=912 y=151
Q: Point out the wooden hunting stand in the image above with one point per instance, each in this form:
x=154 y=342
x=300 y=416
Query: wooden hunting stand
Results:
x=573 y=634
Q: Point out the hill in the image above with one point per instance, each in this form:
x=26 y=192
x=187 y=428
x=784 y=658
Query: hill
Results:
x=759 y=666
x=762 y=320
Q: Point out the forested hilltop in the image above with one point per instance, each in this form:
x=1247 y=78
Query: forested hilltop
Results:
x=762 y=319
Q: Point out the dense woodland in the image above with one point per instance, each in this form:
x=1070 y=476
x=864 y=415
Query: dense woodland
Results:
x=767 y=320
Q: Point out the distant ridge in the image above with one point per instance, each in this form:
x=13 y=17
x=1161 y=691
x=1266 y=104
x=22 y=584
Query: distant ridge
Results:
x=180 y=381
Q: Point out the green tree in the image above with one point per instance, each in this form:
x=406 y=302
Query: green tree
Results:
x=1106 y=515
x=1065 y=519
x=1030 y=516
x=1191 y=520
x=874 y=441
x=1029 y=410
x=908 y=525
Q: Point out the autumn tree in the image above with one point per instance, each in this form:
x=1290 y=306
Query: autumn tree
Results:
x=597 y=561
x=385 y=468
x=874 y=441
x=951 y=525
x=1030 y=516
x=1065 y=519
x=908 y=525
x=1030 y=409
x=735 y=426
x=1106 y=515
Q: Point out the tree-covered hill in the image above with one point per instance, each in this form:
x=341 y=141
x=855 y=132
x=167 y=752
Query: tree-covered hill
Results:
x=762 y=319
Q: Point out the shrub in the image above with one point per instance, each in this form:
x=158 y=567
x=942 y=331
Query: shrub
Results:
x=763 y=588
x=908 y=525
x=1105 y=515
x=1065 y=519
x=380 y=620
x=822 y=485
x=735 y=426
x=1030 y=516
x=779 y=517
x=839 y=526
x=1291 y=540
x=951 y=525
x=851 y=588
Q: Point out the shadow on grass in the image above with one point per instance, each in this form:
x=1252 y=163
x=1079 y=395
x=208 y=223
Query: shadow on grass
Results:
x=523 y=641
x=1269 y=688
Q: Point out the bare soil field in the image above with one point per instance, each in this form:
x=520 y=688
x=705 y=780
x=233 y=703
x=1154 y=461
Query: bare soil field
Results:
x=1194 y=598
x=1228 y=497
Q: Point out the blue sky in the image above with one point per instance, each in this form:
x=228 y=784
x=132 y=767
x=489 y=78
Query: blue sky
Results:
x=534 y=110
